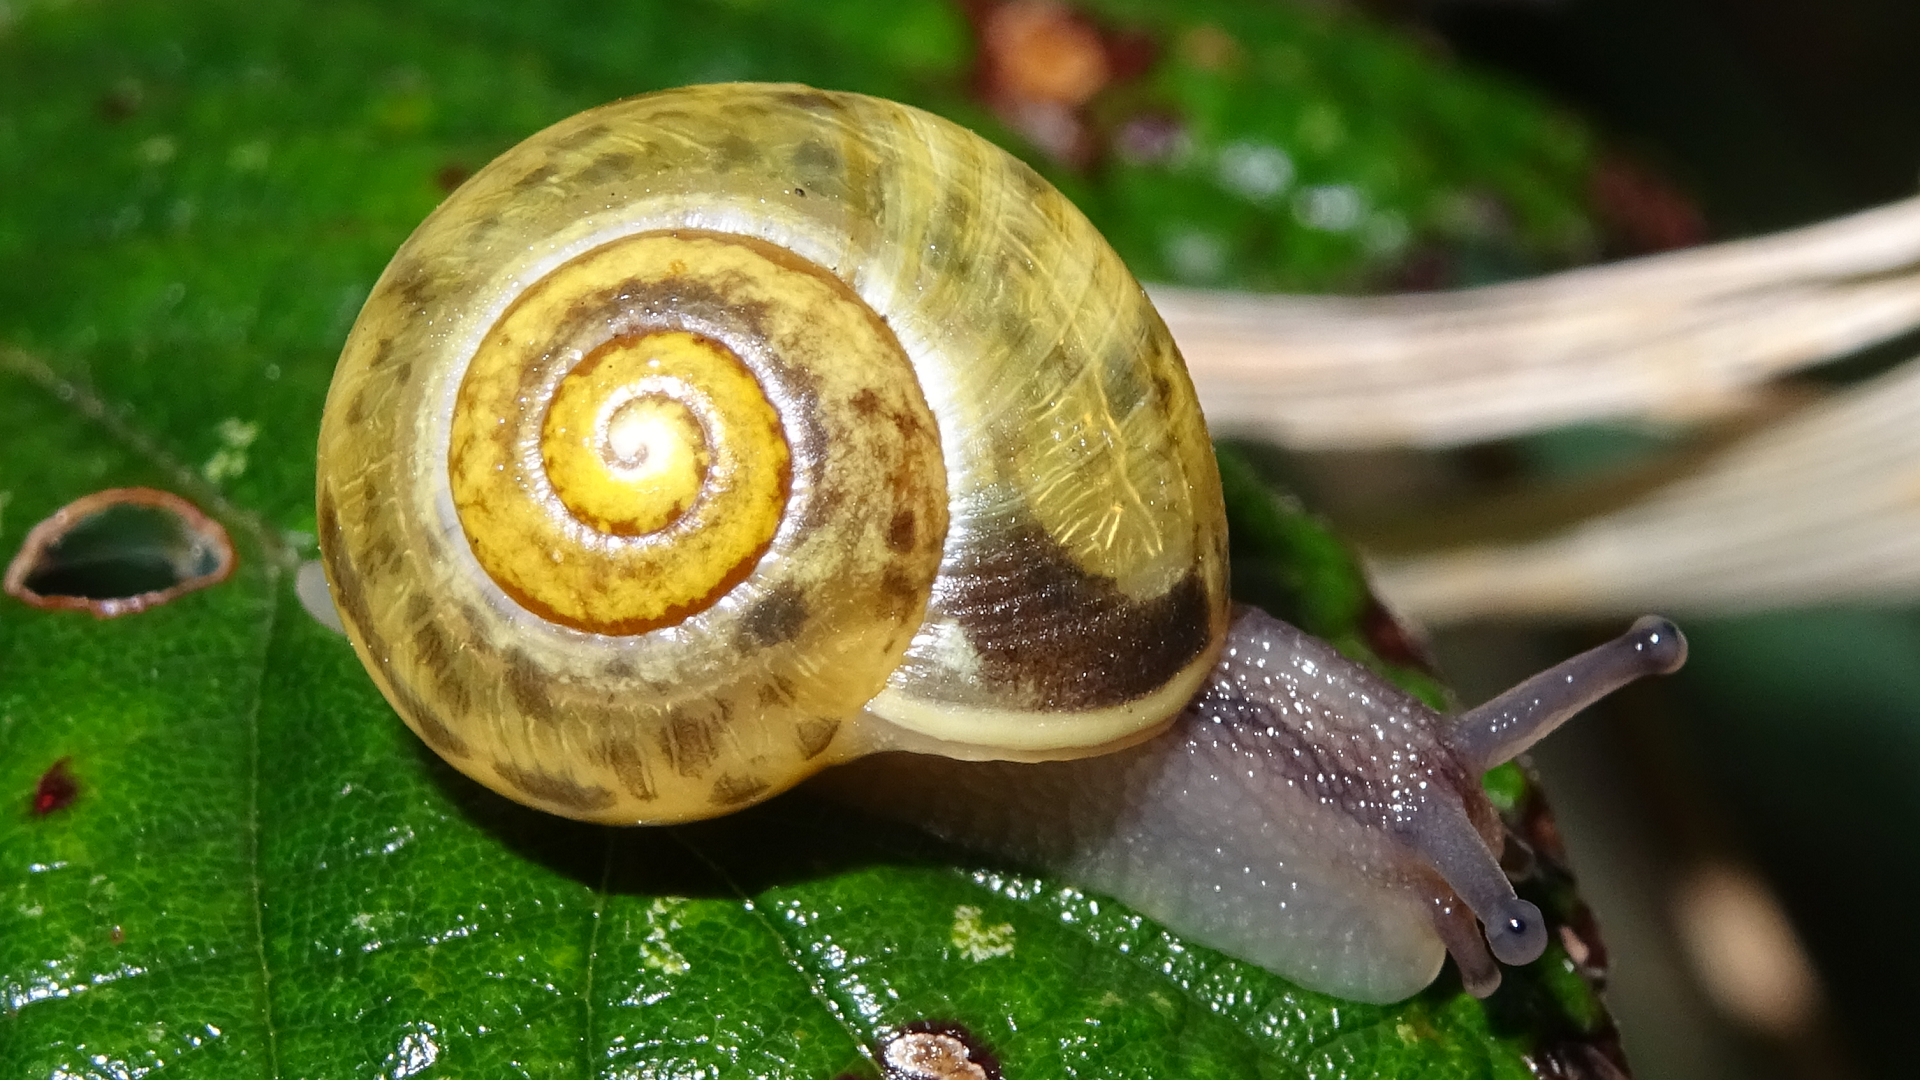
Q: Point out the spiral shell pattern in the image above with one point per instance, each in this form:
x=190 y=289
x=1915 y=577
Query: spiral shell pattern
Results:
x=713 y=436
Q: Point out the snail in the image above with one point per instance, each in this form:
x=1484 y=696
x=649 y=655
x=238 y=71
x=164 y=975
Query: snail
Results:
x=714 y=437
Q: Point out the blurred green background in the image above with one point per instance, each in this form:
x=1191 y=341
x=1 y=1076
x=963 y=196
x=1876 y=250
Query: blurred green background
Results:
x=1792 y=739
x=1268 y=144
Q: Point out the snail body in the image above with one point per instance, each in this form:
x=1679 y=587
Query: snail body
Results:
x=714 y=437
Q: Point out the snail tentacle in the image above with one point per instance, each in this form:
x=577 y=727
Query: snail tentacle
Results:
x=1460 y=932
x=1458 y=851
x=1506 y=726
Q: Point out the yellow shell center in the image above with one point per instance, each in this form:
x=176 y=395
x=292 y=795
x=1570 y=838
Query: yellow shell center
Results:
x=624 y=442
x=660 y=478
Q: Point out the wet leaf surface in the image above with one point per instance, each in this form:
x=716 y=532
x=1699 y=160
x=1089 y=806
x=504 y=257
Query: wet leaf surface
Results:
x=221 y=852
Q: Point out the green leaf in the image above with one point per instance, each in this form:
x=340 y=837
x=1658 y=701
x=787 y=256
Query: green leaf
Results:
x=259 y=872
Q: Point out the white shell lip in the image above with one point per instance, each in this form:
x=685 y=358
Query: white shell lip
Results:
x=979 y=733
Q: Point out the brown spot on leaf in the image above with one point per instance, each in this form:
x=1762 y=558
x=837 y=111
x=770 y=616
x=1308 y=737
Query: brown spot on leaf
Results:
x=118 y=552
x=1131 y=54
x=1642 y=210
x=1043 y=51
x=936 y=1050
x=122 y=102
x=56 y=790
x=451 y=175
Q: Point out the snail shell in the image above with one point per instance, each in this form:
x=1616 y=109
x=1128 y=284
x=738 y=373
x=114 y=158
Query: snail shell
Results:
x=711 y=437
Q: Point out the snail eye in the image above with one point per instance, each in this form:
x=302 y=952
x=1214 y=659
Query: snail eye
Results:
x=1516 y=933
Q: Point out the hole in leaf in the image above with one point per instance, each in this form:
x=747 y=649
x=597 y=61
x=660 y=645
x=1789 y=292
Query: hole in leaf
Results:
x=120 y=551
x=56 y=790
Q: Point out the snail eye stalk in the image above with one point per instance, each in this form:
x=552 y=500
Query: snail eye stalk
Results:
x=1495 y=732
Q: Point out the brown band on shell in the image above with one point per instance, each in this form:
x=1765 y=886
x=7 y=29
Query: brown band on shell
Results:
x=348 y=592
x=731 y=790
x=689 y=744
x=815 y=736
x=427 y=725
x=631 y=767
x=1064 y=638
x=350 y=596
x=554 y=792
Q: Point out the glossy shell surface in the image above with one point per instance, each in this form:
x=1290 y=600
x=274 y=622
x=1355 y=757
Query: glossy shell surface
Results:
x=925 y=467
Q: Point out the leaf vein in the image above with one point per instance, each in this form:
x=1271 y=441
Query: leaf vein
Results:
x=254 y=876
x=588 y=1042
x=815 y=981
